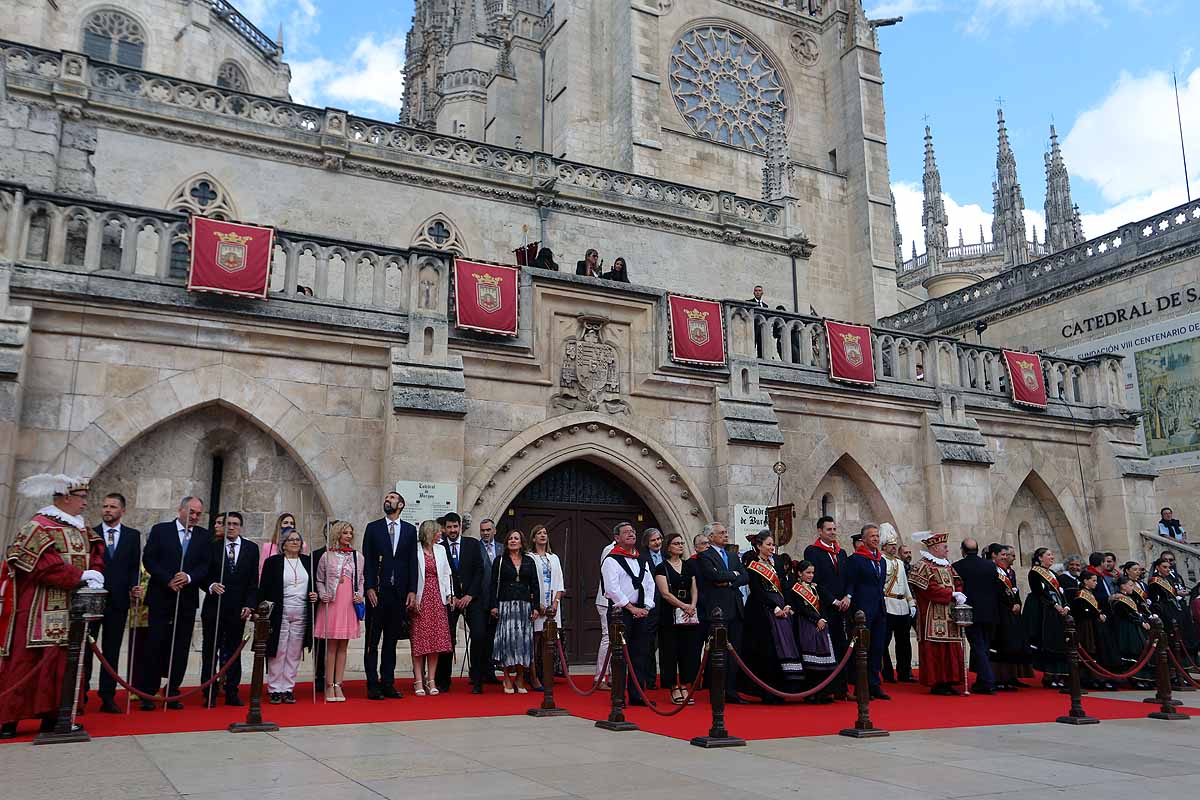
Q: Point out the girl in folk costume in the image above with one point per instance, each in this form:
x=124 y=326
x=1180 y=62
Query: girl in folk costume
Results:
x=1131 y=630
x=940 y=639
x=1090 y=625
x=769 y=640
x=1169 y=599
x=1010 y=653
x=1045 y=608
x=812 y=630
x=52 y=555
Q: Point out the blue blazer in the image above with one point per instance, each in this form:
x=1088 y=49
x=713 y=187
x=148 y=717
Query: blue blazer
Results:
x=161 y=558
x=122 y=569
x=864 y=582
x=386 y=568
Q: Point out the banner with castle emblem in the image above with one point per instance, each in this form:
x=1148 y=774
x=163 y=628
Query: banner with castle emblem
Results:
x=851 y=358
x=1025 y=378
x=485 y=297
x=229 y=258
x=697 y=331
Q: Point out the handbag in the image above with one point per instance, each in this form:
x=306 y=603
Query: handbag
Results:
x=681 y=619
x=360 y=608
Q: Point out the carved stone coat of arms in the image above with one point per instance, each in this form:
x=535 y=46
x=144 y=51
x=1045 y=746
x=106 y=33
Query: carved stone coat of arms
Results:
x=590 y=376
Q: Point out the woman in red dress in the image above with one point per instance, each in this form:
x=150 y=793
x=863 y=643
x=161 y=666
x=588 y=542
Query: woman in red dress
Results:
x=431 y=621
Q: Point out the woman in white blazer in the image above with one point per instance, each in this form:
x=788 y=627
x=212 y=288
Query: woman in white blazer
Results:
x=551 y=587
x=431 y=620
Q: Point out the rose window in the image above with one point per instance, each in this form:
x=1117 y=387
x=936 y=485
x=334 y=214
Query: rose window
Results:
x=725 y=87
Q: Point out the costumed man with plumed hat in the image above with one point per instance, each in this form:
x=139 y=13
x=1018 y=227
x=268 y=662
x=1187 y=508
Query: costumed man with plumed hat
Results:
x=940 y=640
x=52 y=555
x=900 y=605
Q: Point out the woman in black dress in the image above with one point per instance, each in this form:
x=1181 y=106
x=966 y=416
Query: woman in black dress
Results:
x=769 y=641
x=1169 y=599
x=1131 y=630
x=516 y=603
x=1091 y=625
x=678 y=622
x=1045 y=608
x=1010 y=644
x=812 y=630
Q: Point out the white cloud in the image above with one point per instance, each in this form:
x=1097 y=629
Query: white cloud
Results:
x=967 y=217
x=1128 y=143
x=1023 y=12
x=370 y=81
x=899 y=8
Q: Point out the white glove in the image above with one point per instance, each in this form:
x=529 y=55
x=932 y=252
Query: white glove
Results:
x=960 y=598
x=93 y=578
x=912 y=611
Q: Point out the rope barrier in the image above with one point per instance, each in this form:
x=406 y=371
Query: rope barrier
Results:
x=124 y=684
x=595 y=681
x=19 y=684
x=1095 y=668
x=1183 y=673
x=820 y=687
x=652 y=705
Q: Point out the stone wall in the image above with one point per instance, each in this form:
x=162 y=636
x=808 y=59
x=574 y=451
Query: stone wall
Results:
x=42 y=150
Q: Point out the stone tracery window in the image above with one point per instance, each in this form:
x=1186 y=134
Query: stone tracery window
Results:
x=231 y=76
x=439 y=233
x=205 y=196
x=109 y=35
x=725 y=86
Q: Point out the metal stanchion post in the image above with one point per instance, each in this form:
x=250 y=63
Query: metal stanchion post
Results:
x=719 y=659
x=86 y=605
x=549 y=640
x=262 y=630
x=1076 y=716
x=1166 y=709
x=616 y=647
x=863 y=727
x=1158 y=636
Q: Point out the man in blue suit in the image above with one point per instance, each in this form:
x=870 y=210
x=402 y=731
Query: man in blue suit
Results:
x=122 y=579
x=865 y=573
x=389 y=549
x=719 y=580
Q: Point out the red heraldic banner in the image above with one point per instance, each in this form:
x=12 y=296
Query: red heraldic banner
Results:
x=228 y=258
x=851 y=357
x=697 y=331
x=485 y=297
x=1025 y=379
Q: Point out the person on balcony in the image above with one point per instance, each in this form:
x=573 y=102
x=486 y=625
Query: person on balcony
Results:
x=545 y=260
x=1170 y=527
x=590 y=266
x=618 y=273
x=758 y=297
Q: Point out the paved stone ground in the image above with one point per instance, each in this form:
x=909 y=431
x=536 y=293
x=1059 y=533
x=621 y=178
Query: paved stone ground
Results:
x=520 y=758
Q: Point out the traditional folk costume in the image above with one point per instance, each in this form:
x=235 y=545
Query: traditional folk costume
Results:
x=1090 y=632
x=941 y=644
x=52 y=555
x=1169 y=599
x=1010 y=653
x=1130 y=624
x=770 y=642
x=815 y=645
x=901 y=608
x=1044 y=624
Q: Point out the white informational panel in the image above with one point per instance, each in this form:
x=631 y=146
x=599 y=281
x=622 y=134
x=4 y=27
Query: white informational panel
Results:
x=425 y=500
x=747 y=521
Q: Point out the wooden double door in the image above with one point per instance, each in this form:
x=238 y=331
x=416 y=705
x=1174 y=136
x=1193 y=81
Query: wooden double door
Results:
x=579 y=503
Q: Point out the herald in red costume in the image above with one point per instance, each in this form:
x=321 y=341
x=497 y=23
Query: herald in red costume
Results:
x=47 y=560
x=941 y=644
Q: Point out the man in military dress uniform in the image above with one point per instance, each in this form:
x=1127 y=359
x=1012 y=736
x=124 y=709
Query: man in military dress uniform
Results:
x=52 y=555
x=941 y=644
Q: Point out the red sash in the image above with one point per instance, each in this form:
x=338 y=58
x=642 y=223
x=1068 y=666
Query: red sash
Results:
x=1089 y=598
x=1004 y=579
x=805 y=592
x=1050 y=578
x=768 y=572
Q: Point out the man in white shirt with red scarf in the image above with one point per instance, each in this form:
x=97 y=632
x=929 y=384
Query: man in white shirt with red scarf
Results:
x=628 y=584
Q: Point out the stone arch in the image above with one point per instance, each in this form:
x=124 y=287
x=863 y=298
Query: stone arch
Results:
x=1034 y=518
x=294 y=429
x=204 y=195
x=645 y=465
x=440 y=233
x=850 y=491
x=114 y=35
x=230 y=75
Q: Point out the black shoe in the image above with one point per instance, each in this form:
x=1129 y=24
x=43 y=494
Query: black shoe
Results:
x=907 y=679
x=1020 y=684
x=1004 y=687
x=289 y=698
x=390 y=692
x=107 y=706
x=943 y=690
x=476 y=689
x=636 y=701
x=320 y=686
x=978 y=689
x=275 y=698
x=8 y=730
x=880 y=694
x=889 y=679
x=736 y=700
x=234 y=700
x=373 y=693
x=442 y=689
x=147 y=705
x=175 y=705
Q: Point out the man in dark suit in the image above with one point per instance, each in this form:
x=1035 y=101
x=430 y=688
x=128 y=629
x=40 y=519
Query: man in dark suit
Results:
x=177 y=557
x=721 y=576
x=865 y=572
x=979 y=585
x=481 y=652
x=122 y=562
x=390 y=552
x=829 y=560
x=758 y=297
x=590 y=266
x=229 y=600
x=466 y=578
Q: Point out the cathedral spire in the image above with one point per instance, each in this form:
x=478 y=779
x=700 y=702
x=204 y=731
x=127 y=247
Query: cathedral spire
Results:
x=777 y=171
x=1063 y=228
x=1008 y=220
x=933 y=214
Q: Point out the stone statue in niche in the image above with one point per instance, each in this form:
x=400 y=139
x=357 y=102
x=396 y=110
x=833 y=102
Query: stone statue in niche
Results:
x=427 y=298
x=590 y=376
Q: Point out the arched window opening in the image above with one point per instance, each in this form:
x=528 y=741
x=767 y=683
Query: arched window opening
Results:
x=111 y=36
x=204 y=196
x=231 y=76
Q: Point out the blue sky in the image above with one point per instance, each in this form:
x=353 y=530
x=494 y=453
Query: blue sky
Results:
x=1099 y=69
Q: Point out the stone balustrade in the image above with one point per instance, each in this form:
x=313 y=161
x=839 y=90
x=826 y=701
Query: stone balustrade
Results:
x=797 y=340
x=22 y=59
x=246 y=28
x=1187 y=556
x=72 y=234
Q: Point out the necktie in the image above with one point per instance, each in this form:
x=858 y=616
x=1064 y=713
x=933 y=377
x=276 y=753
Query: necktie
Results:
x=454 y=553
x=724 y=556
x=392 y=535
x=185 y=540
x=112 y=542
x=230 y=559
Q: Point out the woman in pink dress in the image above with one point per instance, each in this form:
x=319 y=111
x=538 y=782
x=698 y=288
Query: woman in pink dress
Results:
x=339 y=585
x=430 y=621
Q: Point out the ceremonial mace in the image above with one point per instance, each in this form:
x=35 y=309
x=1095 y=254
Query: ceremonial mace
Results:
x=132 y=650
x=217 y=627
x=325 y=626
x=183 y=546
x=312 y=607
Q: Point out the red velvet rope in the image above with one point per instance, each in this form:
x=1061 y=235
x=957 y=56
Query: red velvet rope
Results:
x=795 y=695
x=595 y=681
x=33 y=671
x=1094 y=666
x=1183 y=673
x=124 y=684
x=653 y=706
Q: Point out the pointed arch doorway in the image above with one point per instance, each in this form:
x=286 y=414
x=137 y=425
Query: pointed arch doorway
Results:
x=579 y=502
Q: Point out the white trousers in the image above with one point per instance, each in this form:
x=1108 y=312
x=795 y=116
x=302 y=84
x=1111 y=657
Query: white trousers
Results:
x=603 y=654
x=282 y=669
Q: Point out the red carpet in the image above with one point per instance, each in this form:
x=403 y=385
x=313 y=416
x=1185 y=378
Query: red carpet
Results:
x=911 y=708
